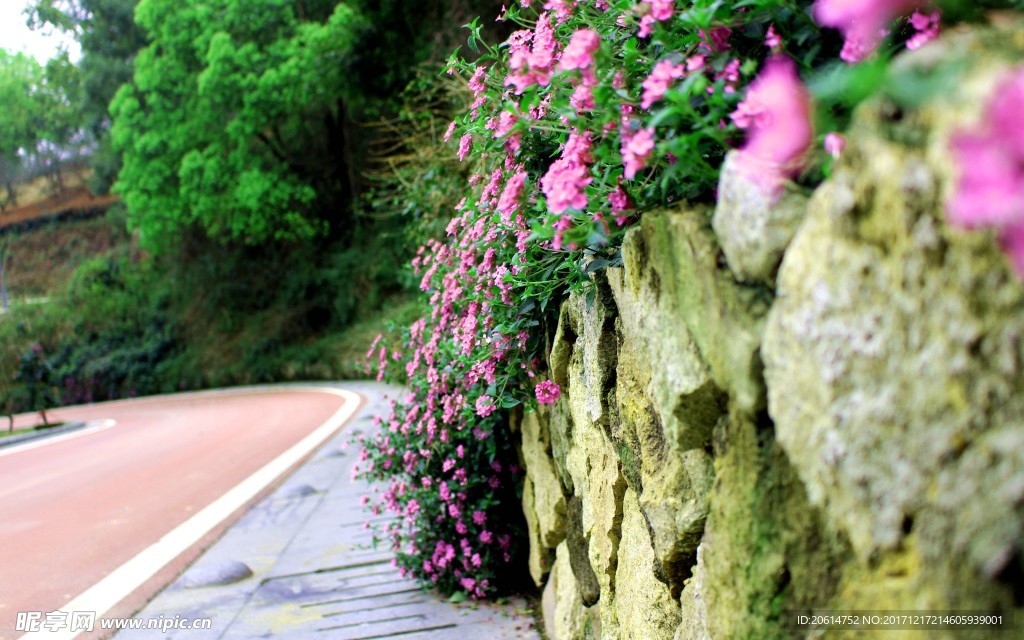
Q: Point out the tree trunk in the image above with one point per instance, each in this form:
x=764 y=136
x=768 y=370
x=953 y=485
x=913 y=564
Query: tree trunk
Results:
x=3 y=282
x=12 y=195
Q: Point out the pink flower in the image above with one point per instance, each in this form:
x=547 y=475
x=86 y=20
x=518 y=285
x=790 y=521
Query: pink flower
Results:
x=771 y=38
x=619 y=200
x=561 y=8
x=990 y=189
x=508 y=202
x=646 y=24
x=464 y=144
x=835 y=143
x=657 y=83
x=484 y=406
x=777 y=116
x=579 y=53
x=531 y=55
x=636 y=150
x=449 y=131
x=662 y=10
x=1012 y=241
x=582 y=98
x=862 y=22
x=927 y=25
x=730 y=74
x=564 y=183
x=476 y=83
x=542 y=53
x=715 y=40
x=652 y=12
x=547 y=392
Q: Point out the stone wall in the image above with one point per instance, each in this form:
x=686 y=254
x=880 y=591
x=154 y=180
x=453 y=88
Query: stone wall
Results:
x=814 y=403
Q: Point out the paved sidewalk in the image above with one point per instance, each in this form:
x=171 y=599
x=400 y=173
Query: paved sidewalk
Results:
x=313 y=571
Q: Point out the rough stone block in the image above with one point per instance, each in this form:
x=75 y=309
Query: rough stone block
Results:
x=674 y=255
x=693 y=610
x=754 y=227
x=548 y=499
x=644 y=606
x=565 y=617
x=894 y=351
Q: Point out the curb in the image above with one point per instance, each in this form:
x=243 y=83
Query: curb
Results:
x=42 y=433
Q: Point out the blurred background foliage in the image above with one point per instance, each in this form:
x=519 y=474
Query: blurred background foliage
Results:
x=278 y=162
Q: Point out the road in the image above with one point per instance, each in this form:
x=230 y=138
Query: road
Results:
x=73 y=511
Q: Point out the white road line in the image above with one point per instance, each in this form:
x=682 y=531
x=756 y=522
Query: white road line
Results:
x=47 y=440
x=118 y=585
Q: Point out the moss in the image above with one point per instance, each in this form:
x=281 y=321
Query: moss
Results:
x=677 y=250
x=630 y=466
x=768 y=549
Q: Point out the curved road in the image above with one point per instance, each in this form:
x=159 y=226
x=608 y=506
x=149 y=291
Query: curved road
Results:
x=74 y=510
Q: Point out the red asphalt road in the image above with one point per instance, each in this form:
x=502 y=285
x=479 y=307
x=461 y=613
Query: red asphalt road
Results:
x=73 y=511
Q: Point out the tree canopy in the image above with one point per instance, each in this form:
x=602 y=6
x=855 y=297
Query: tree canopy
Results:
x=20 y=76
x=41 y=116
x=109 y=40
x=235 y=119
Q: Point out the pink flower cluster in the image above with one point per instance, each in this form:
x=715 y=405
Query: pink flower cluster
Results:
x=547 y=392
x=611 y=98
x=652 y=12
x=864 y=23
x=532 y=55
x=777 y=116
x=990 y=188
x=579 y=53
x=446 y=424
x=927 y=26
x=566 y=179
x=664 y=74
x=636 y=149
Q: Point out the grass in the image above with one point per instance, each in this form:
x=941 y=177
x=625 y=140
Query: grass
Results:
x=40 y=261
x=40 y=189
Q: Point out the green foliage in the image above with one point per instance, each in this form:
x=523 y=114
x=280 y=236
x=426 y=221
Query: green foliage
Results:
x=125 y=328
x=105 y=341
x=20 y=76
x=41 y=115
x=235 y=120
x=109 y=40
x=411 y=177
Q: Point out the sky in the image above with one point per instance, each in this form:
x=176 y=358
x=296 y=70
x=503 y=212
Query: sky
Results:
x=15 y=36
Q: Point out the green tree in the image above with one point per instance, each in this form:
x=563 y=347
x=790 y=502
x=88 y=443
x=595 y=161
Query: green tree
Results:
x=20 y=79
x=237 y=119
x=60 y=132
x=109 y=40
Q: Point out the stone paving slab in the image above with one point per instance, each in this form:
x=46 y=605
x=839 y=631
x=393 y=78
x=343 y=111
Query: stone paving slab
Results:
x=314 y=573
